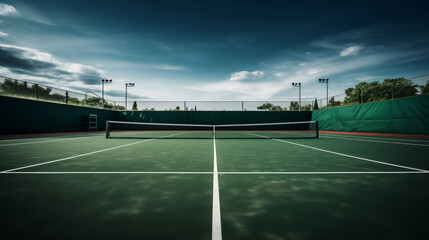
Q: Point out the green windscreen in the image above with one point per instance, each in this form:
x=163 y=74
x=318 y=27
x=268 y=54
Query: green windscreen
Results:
x=401 y=116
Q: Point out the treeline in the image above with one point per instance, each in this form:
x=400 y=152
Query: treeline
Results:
x=362 y=93
x=294 y=106
x=378 y=91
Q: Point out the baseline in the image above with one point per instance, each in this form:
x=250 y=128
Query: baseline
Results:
x=106 y=173
x=321 y=173
x=224 y=173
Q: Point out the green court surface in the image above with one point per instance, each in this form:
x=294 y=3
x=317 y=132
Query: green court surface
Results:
x=81 y=186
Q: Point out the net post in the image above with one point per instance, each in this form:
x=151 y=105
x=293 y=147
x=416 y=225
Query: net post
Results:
x=317 y=129
x=107 y=129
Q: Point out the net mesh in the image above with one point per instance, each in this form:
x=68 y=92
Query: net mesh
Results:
x=284 y=130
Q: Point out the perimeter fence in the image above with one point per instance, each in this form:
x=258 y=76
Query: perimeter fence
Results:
x=361 y=93
x=24 y=89
x=218 y=105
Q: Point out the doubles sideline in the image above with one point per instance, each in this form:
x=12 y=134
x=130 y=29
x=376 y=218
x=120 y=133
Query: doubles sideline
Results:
x=344 y=155
x=45 y=141
x=378 y=141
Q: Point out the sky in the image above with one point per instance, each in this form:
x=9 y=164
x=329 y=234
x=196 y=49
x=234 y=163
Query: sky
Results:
x=212 y=50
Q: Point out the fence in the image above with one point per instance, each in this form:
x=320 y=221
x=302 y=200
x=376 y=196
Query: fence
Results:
x=23 y=89
x=217 y=105
x=369 y=92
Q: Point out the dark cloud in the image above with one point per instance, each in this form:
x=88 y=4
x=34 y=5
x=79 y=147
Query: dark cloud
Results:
x=35 y=63
x=14 y=58
x=117 y=93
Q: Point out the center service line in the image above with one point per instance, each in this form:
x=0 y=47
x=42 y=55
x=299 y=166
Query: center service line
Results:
x=216 y=221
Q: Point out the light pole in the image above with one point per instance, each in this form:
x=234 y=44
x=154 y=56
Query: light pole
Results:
x=325 y=80
x=127 y=85
x=103 y=81
x=298 y=85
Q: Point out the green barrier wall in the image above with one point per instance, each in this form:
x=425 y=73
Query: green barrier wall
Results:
x=213 y=117
x=402 y=116
x=29 y=116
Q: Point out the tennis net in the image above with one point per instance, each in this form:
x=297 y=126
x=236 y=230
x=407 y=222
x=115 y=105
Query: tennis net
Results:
x=282 y=130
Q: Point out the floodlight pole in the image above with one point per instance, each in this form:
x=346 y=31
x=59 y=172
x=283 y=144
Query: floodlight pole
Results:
x=325 y=80
x=103 y=81
x=127 y=85
x=299 y=86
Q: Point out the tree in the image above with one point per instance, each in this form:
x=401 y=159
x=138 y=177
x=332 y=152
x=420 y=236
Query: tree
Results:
x=177 y=108
x=375 y=91
x=294 y=106
x=266 y=106
x=134 y=106
x=425 y=88
x=316 y=105
x=93 y=101
x=306 y=107
x=269 y=107
x=334 y=103
x=276 y=108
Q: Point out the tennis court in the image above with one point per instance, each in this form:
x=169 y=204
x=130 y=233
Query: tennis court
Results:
x=84 y=186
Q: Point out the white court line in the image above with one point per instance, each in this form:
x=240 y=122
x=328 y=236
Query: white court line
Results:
x=345 y=155
x=216 y=220
x=372 y=137
x=55 y=140
x=226 y=173
x=368 y=140
x=351 y=156
x=50 y=137
x=81 y=155
x=323 y=173
x=106 y=172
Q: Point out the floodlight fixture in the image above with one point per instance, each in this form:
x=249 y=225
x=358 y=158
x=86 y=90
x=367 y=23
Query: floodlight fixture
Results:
x=104 y=81
x=127 y=85
x=299 y=86
x=325 y=80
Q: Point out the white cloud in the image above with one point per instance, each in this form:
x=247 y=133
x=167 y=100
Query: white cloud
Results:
x=314 y=71
x=367 y=78
x=164 y=67
x=237 y=76
x=280 y=74
x=353 y=50
x=246 y=90
x=7 y=10
x=2 y=34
